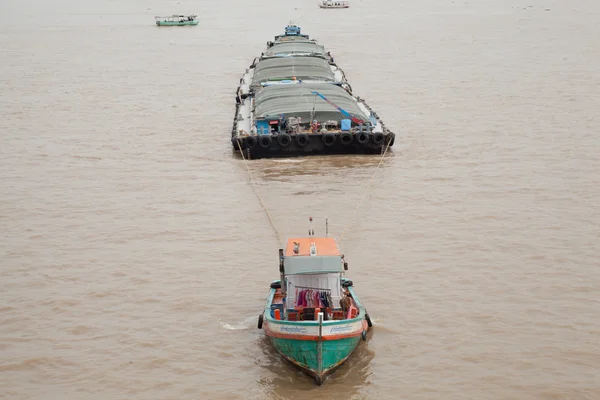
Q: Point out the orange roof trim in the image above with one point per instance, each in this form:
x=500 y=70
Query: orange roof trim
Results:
x=325 y=247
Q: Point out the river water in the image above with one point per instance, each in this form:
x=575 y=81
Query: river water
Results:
x=135 y=256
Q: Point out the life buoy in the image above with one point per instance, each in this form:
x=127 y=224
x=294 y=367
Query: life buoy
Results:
x=251 y=141
x=377 y=138
x=265 y=141
x=284 y=139
x=302 y=139
x=346 y=138
x=260 y=321
x=328 y=139
x=362 y=138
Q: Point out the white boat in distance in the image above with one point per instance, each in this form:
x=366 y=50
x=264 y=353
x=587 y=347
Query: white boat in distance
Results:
x=334 y=4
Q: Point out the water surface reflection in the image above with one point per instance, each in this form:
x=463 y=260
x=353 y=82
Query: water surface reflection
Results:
x=282 y=380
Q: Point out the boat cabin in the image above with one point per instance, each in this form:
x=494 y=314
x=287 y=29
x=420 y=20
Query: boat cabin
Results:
x=311 y=274
x=291 y=31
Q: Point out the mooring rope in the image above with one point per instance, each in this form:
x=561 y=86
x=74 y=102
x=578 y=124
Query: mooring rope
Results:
x=271 y=221
x=260 y=200
x=366 y=190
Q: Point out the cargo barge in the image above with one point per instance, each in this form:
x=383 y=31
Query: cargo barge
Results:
x=295 y=100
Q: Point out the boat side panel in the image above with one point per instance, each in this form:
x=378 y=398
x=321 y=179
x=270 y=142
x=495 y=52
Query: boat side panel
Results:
x=336 y=351
x=168 y=23
x=303 y=353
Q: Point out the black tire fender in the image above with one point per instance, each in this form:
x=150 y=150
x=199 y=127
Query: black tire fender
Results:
x=378 y=138
x=346 y=138
x=260 y=321
x=235 y=143
x=276 y=285
x=284 y=140
x=265 y=141
x=368 y=319
x=347 y=283
x=251 y=141
x=362 y=138
x=392 y=139
x=328 y=139
x=302 y=139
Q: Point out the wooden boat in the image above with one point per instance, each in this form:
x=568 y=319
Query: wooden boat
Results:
x=334 y=4
x=177 y=20
x=314 y=319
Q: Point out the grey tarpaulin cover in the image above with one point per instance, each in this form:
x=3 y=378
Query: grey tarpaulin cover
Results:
x=305 y=68
x=296 y=47
x=296 y=100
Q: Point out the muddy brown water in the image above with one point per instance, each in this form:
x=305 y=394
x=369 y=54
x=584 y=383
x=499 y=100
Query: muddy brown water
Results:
x=135 y=256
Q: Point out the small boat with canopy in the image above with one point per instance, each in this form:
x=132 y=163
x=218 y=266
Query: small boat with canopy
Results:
x=313 y=317
x=177 y=20
x=334 y=4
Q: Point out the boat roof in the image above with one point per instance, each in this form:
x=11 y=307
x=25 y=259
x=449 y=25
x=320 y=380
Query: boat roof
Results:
x=298 y=101
x=295 y=47
x=324 y=246
x=177 y=16
x=307 y=68
x=292 y=38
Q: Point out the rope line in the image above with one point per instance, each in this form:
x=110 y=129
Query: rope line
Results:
x=260 y=200
x=271 y=221
x=366 y=191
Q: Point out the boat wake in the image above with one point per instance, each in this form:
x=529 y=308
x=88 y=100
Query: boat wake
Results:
x=245 y=324
x=380 y=327
x=289 y=161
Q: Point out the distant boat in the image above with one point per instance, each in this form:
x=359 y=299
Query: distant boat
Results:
x=334 y=4
x=177 y=20
x=313 y=317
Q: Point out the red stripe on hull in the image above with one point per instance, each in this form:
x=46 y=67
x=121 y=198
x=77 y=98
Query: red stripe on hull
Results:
x=269 y=332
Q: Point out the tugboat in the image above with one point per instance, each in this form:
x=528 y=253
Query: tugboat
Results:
x=313 y=316
x=295 y=100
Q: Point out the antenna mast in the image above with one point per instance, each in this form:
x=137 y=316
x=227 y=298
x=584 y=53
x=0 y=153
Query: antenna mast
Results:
x=326 y=227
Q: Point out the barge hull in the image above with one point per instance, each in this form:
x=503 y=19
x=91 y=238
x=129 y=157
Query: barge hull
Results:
x=289 y=145
x=315 y=146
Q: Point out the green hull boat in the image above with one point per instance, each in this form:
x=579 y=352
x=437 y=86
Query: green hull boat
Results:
x=314 y=319
x=177 y=20
x=316 y=355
